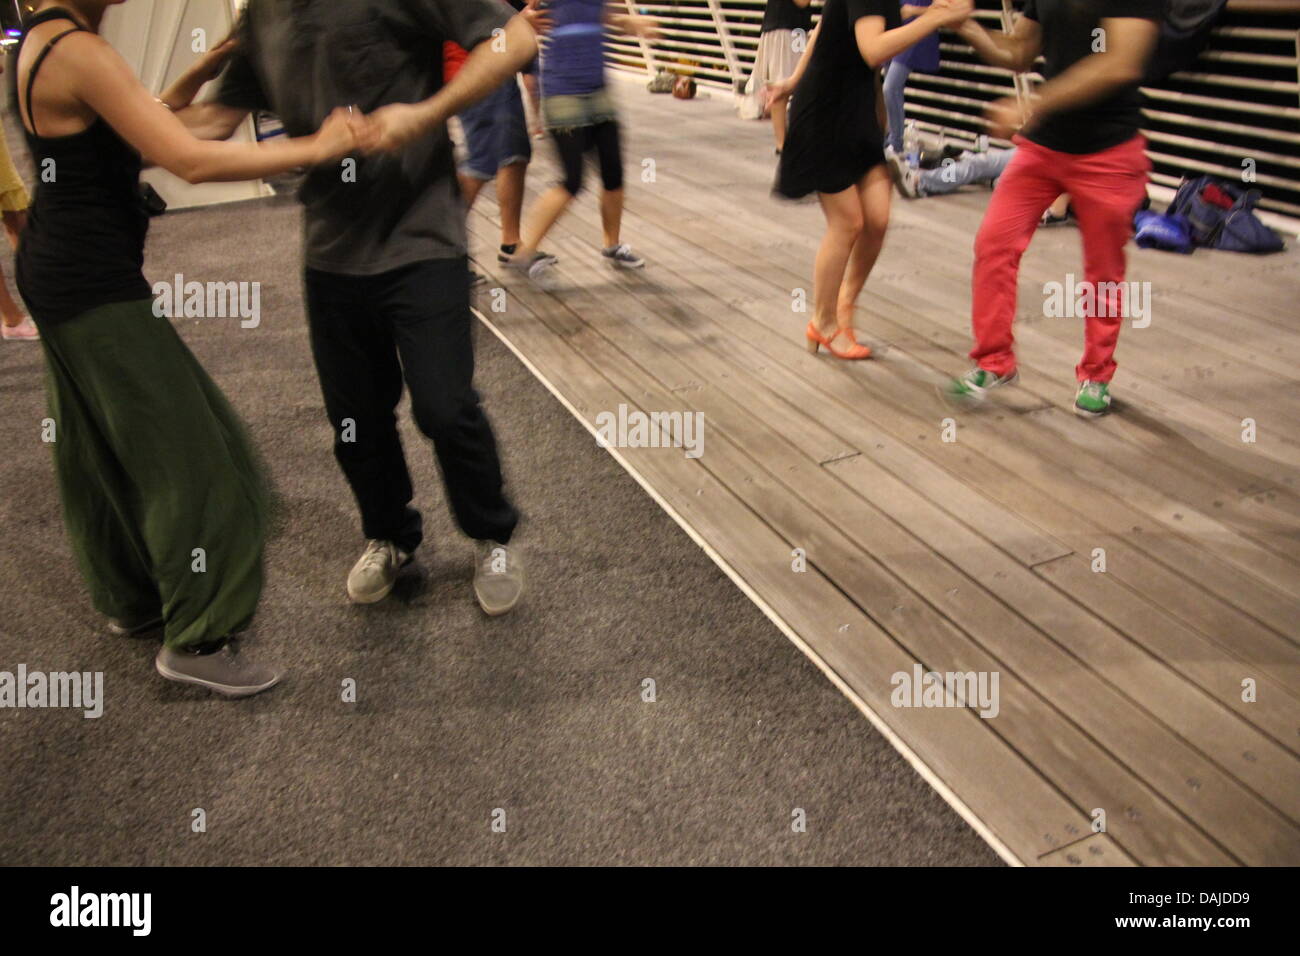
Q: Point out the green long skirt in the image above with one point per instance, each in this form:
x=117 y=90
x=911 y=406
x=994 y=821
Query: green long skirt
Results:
x=165 y=503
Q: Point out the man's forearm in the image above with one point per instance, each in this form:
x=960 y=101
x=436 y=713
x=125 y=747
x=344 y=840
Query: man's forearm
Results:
x=1091 y=79
x=489 y=65
x=996 y=49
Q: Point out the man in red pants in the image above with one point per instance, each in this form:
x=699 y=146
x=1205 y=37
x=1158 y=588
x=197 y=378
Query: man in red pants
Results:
x=1079 y=135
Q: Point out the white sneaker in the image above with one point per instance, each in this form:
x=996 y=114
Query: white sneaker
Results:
x=373 y=576
x=498 y=578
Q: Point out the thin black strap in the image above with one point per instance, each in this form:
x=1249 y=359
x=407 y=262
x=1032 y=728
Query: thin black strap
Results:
x=31 y=76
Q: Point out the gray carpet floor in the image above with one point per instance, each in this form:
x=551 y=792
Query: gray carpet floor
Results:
x=538 y=714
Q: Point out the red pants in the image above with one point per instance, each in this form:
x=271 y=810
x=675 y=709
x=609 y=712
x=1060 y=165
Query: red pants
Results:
x=1105 y=190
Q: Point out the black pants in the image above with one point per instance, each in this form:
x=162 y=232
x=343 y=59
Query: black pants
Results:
x=573 y=145
x=367 y=332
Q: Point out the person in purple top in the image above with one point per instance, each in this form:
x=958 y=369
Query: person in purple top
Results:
x=923 y=57
x=580 y=116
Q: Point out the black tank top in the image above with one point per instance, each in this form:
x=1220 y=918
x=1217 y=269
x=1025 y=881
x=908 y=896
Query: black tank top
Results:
x=84 y=242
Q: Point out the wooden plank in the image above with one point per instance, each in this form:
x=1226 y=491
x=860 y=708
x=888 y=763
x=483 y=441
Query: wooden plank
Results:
x=1096 y=849
x=1102 y=463
x=1042 y=820
x=1242 y=626
x=905 y=397
x=1124 y=685
x=611 y=313
x=1283 y=616
x=946 y=301
x=752 y=218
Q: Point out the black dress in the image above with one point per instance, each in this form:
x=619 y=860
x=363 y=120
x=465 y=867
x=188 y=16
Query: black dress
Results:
x=834 y=137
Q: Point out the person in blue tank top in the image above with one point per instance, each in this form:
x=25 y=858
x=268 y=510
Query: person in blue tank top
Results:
x=579 y=113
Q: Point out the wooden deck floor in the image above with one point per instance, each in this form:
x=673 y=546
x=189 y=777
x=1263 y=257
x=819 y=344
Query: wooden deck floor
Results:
x=1119 y=690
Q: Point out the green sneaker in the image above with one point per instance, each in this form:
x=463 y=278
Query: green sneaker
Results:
x=1092 y=399
x=974 y=387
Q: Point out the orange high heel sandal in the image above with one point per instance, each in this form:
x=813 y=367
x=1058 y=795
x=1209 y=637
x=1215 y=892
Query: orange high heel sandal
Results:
x=854 y=351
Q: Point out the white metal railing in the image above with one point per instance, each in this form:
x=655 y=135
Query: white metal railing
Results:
x=1237 y=109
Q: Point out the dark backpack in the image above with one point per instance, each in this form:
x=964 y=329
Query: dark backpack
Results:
x=1184 y=33
x=1237 y=229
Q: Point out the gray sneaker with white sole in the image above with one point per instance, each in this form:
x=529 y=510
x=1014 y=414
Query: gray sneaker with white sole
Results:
x=623 y=257
x=540 y=269
x=224 y=672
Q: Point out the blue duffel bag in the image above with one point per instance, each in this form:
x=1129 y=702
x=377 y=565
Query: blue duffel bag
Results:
x=1236 y=229
x=1152 y=230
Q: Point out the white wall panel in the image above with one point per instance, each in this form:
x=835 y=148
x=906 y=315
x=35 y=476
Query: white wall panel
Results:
x=156 y=38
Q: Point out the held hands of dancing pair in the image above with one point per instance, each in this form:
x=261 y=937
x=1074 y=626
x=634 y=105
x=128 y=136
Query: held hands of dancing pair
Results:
x=948 y=14
x=388 y=129
x=346 y=130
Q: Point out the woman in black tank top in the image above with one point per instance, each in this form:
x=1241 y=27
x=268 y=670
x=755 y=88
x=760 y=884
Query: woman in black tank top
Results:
x=163 y=500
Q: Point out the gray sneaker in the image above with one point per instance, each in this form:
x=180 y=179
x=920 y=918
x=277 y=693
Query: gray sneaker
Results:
x=224 y=672
x=623 y=257
x=540 y=268
x=498 y=578
x=906 y=179
x=373 y=576
x=507 y=253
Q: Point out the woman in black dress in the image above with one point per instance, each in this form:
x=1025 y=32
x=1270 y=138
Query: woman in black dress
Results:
x=835 y=148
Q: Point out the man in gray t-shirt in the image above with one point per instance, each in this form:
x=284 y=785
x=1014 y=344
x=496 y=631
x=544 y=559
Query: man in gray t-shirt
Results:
x=386 y=271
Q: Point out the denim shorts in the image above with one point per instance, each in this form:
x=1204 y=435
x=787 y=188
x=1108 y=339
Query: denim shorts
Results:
x=496 y=133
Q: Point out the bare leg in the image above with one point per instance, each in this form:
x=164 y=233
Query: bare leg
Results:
x=874 y=193
x=470 y=187
x=779 y=108
x=548 y=208
x=510 y=200
x=611 y=215
x=11 y=313
x=1060 y=206
x=844 y=221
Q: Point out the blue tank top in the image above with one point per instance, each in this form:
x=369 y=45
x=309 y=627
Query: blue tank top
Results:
x=573 y=60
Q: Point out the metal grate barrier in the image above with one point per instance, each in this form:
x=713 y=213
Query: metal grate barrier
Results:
x=1236 y=114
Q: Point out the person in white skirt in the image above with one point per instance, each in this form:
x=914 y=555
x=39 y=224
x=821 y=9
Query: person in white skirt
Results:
x=786 y=25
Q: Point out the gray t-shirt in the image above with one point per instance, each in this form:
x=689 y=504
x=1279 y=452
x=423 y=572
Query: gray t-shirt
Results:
x=302 y=58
